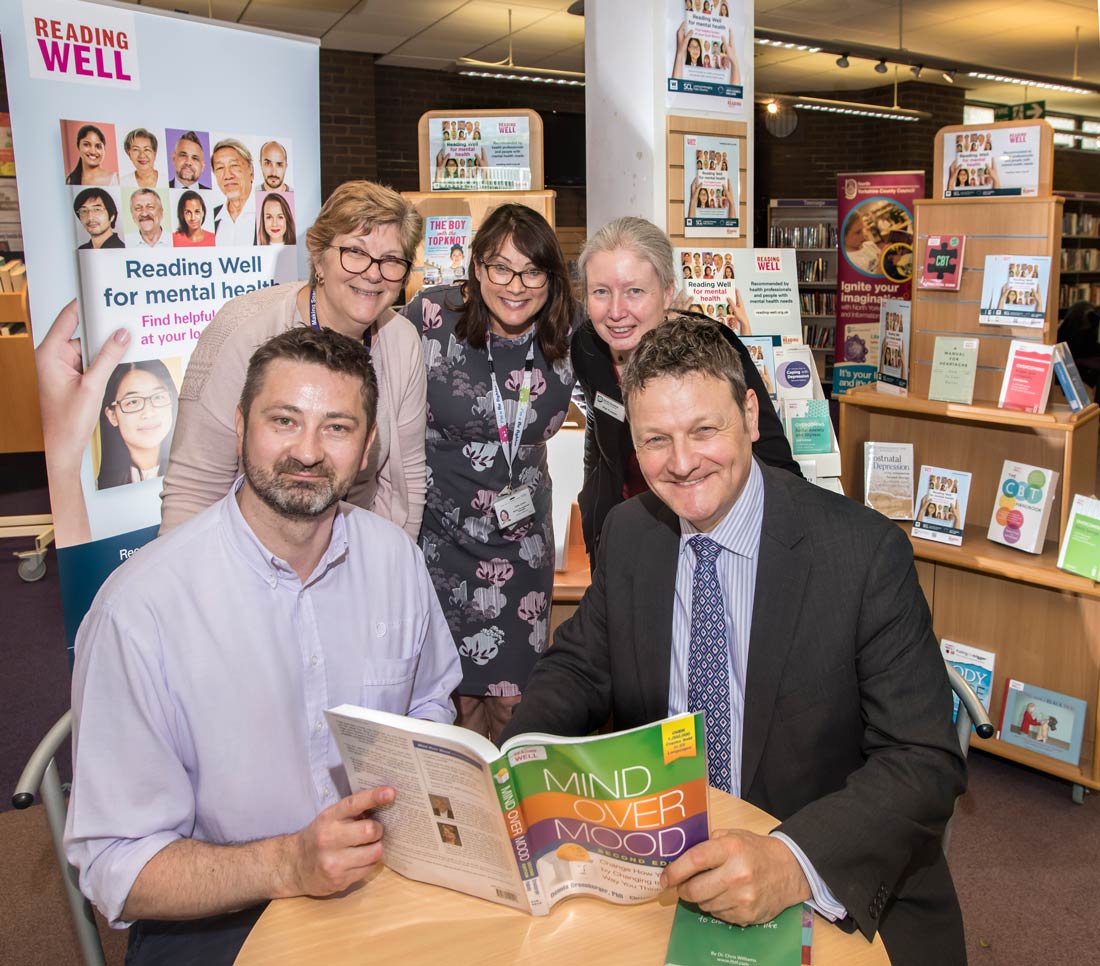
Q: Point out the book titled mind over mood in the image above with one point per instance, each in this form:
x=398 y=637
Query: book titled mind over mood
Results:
x=538 y=820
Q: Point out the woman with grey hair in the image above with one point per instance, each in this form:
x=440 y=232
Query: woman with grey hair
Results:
x=628 y=281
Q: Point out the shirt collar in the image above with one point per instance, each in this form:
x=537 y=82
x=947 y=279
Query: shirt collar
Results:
x=739 y=530
x=266 y=564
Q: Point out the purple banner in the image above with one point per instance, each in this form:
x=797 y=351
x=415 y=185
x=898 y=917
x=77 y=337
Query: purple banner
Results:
x=657 y=846
x=875 y=262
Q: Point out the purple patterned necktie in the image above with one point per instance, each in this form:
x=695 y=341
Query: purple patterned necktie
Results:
x=708 y=660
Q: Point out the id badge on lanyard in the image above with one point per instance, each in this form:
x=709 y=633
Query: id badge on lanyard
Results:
x=368 y=333
x=512 y=505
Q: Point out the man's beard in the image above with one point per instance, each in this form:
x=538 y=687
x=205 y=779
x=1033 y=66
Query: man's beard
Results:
x=296 y=499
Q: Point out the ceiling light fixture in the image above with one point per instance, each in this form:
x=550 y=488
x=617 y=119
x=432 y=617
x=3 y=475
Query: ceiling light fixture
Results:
x=1025 y=82
x=507 y=69
x=849 y=108
x=880 y=67
x=916 y=69
x=785 y=45
x=949 y=76
x=772 y=107
x=842 y=61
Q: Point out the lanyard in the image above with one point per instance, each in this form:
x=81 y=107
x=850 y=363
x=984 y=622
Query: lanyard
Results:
x=510 y=446
x=368 y=333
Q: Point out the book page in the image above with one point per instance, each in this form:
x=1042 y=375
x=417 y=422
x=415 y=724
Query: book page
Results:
x=445 y=826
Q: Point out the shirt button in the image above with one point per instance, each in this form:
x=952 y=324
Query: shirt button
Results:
x=313 y=660
x=272 y=580
x=380 y=629
x=317 y=728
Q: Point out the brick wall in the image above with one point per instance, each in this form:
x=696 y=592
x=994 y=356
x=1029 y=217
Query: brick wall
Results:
x=349 y=146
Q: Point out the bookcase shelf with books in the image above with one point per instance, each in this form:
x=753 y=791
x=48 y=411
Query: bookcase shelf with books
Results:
x=808 y=225
x=1042 y=623
x=1080 y=254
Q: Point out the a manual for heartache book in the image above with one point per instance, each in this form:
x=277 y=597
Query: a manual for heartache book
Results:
x=954 y=367
x=1080 y=550
x=975 y=666
x=1021 y=514
x=1043 y=721
x=538 y=820
x=888 y=479
x=940 y=513
x=698 y=938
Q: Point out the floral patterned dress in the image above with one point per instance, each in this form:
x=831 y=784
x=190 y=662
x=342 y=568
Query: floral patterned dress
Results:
x=494 y=587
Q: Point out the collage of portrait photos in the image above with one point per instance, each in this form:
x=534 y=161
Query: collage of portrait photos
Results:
x=134 y=185
x=480 y=154
x=1001 y=161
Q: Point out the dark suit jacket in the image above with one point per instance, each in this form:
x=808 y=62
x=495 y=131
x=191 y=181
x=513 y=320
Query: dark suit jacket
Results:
x=607 y=443
x=847 y=737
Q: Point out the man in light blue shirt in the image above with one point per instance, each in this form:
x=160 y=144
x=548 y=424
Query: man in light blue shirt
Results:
x=205 y=777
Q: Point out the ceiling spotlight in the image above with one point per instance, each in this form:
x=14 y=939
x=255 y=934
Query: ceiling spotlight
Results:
x=915 y=70
x=772 y=107
x=842 y=61
x=880 y=67
x=949 y=76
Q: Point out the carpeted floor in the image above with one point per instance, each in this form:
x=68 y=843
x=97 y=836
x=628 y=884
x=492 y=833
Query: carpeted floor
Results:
x=1026 y=860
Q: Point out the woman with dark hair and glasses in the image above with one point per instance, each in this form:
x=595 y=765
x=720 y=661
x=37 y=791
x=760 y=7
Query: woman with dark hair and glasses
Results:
x=190 y=216
x=499 y=380
x=135 y=423
x=361 y=248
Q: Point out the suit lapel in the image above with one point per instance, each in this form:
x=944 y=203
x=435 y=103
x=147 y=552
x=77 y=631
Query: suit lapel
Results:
x=777 y=602
x=654 y=593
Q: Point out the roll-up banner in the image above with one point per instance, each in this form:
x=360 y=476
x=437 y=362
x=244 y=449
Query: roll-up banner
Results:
x=875 y=262
x=165 y=165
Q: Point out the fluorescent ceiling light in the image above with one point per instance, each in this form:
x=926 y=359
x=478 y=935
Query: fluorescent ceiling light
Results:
x=522 y=74
x=786 y=45
x=1026 y=82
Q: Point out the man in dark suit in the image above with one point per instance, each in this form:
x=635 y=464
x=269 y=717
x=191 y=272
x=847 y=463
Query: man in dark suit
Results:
x=835 y=714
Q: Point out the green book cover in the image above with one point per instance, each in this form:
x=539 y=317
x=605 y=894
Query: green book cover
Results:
x=701 y=940
x=1080 y=553
x=954 y=365
x=808 y=426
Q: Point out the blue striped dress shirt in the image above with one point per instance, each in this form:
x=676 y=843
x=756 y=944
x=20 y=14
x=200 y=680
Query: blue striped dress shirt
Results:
x=738 y=533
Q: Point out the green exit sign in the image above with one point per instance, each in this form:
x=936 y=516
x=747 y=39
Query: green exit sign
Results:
x=1020 y=112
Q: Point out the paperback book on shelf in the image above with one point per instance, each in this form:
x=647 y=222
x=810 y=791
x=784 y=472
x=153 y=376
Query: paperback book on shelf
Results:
x=940 y=511
x=809 y=429
x=794 y=369
x=1080 y=550
x=1043 y=721
x=1028 y=370
x=893 y=360
x=762 y=351
x=698 y=938
x=888 y=479
x=1069 y=378
x=954 y=366
x=538 y=820
x=1015 y=290
x=1021 y=514
x=974 y=665
x=943 y=263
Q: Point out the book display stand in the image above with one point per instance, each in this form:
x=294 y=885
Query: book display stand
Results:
x=1042 y=623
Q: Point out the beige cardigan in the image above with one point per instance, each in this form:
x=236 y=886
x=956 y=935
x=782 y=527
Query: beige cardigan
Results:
x=203 y=461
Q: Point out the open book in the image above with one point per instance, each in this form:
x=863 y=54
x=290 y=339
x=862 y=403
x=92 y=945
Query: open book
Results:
x=538 y=820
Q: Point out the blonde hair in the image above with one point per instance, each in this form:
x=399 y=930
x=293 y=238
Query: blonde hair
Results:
x=357 y=208
x=636 y=235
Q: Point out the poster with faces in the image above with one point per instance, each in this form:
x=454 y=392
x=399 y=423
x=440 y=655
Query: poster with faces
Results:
x=706 y=53
x=480 y=153
x=993 y=161
x=711 y=186
x=1015 y=290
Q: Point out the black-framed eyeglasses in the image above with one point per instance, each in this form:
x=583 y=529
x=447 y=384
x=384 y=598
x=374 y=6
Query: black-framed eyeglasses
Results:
x=501 y=274
x=135 y=403
x=355 y=261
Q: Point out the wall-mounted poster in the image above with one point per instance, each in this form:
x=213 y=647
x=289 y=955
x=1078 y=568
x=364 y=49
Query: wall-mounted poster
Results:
x=997 y=161
x=708 y=53
x=480 y=154
x=711 y=187
x=447 y=249
x=1014 y=290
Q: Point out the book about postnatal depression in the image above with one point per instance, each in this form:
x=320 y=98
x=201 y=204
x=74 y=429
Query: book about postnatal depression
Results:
x=538 y=820
x=888 y=479
x=1080 y=550
x=698 y=939
x=1021 y=514
x=974 y=665
x=893 y=360
x=1043 y=721
x=940 y=513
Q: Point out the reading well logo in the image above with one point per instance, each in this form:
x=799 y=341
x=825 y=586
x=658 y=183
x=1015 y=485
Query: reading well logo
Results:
x=80 y=42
